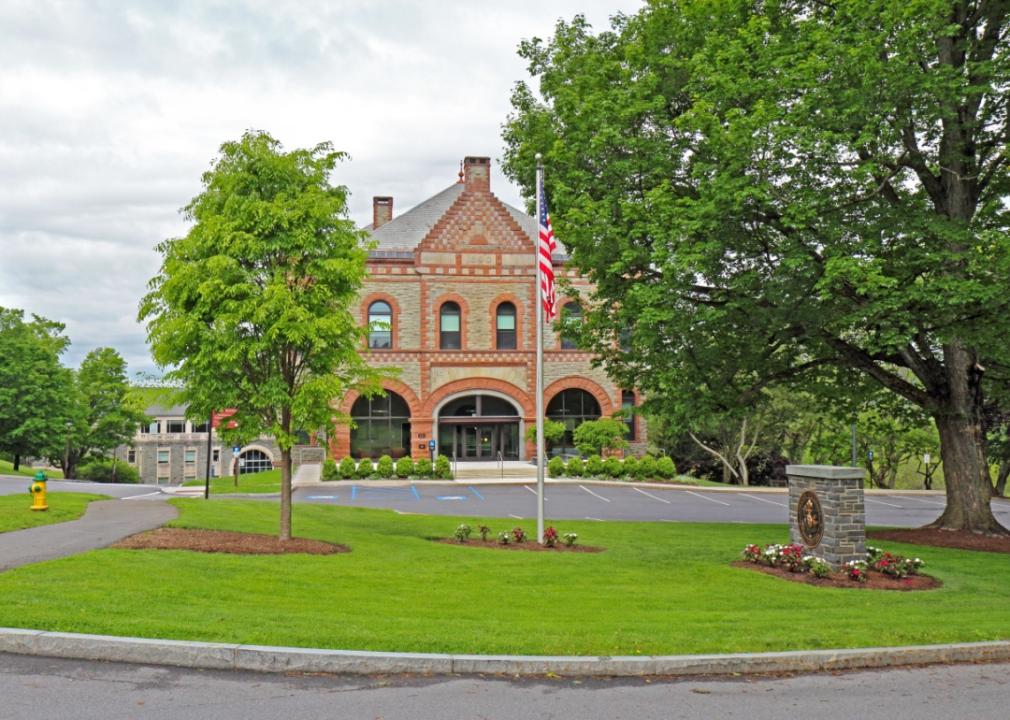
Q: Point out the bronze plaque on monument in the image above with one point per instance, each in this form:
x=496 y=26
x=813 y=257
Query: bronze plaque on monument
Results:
x=810 y=518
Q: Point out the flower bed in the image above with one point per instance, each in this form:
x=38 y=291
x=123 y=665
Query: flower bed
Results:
x=517 y=539
x=880 y=570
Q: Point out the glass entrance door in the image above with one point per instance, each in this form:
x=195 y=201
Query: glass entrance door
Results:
x=483 y=442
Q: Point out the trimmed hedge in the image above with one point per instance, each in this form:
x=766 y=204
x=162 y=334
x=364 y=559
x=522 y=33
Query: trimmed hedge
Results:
x=630 y=468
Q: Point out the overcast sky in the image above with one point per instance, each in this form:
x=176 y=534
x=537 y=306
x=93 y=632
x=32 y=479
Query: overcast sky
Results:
x=111 y=110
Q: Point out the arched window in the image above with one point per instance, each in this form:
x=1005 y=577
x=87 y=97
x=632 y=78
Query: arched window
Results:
x=253 y=461
x=381 y=426
x=572 y=407
x=570 y=313
x=449 y=326
x=380 y=325
x=505 y=326
x=628 y=406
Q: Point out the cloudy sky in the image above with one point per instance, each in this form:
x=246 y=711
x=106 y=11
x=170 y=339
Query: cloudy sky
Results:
x=111 y=109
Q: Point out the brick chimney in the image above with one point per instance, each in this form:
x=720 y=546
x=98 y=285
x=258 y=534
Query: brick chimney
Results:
x=382 y=211
x=477 y=173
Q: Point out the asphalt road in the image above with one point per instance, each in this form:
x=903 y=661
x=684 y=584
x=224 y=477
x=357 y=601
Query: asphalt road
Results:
x=80 y=690
x=617 y=502
x=13 y=485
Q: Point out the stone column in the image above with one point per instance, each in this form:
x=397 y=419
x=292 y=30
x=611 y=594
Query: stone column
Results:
x=827 y=514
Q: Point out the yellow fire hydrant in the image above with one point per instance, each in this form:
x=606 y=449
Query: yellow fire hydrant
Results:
x=38 y=491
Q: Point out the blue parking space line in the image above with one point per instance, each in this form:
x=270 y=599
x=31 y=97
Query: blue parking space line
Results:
x=417 y=495
x=450 y=497
x=354 y=492
x=479 y=496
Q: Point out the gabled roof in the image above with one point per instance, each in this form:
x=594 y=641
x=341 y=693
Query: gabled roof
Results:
x=405 y=232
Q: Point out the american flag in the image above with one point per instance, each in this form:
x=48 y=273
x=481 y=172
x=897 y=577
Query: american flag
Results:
x=547 y=246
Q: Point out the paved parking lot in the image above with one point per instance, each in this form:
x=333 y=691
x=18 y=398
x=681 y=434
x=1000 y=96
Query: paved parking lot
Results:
x=592 y=501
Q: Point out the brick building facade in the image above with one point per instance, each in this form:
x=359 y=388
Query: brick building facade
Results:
x=449 y=301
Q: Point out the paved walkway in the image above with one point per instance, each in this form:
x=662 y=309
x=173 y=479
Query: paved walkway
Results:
x=105 y=522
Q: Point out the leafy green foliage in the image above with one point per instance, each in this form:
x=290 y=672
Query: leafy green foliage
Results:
x=574 y=467
x=594 y=466
x=799 y=193
x=554 y=432
x=108 y=471
x=613 y=467
x=646 y=469
x=347 y=468
x=365 y=468
x=556 y=467
x=423 y=467
x=252 y=308
x=35 y=390
x=330 y=470
x=593 y=437
x=384 y=468
x=665 y=467
x=443 y=468
x=404 y=467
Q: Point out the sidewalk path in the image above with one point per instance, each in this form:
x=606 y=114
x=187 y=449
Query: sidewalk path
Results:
x=104 y=522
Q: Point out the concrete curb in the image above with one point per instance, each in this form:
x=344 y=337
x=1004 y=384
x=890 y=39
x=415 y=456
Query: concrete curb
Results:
x=258 y=658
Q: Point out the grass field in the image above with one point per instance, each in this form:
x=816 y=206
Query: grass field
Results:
x=7 y=468
x=15 y=515
x=659 y=588
x=268 y=481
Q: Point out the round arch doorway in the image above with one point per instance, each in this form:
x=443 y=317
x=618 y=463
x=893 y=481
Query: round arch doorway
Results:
x=479 y=426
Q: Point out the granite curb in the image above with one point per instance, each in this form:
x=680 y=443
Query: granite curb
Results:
x=259 y=658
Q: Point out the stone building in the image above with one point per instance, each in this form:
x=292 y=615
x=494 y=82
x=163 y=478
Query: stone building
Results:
x=449 y=301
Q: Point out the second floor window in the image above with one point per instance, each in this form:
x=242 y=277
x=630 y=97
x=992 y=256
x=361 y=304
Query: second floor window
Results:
x=505 y=325
x=380 y=325
x=448 y=327
x=571 y=313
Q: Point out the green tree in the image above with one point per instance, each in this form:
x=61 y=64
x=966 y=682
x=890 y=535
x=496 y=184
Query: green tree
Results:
x=554 y=432
x=251 y=309
x=34 y=387
x=769 y=192
x=593 y=437
x=103 y=411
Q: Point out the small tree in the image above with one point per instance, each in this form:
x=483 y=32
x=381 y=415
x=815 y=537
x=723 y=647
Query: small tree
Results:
x=594 y=437
x=554 y=432
x=252 y=308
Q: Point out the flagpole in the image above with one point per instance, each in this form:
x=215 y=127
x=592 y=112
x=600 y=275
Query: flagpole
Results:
x=538 y=309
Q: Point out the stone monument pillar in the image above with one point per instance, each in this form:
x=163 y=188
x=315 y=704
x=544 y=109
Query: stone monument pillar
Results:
x=827 y=514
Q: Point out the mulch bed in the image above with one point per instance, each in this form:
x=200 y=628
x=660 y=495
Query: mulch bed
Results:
x=528 y=546
x=223 y=541
x=874 y=580
x=958 y=539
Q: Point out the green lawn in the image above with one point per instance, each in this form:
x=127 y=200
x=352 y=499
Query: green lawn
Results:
x=659 y=588
x=7 y=468
x=268 y=481
x=15 y=515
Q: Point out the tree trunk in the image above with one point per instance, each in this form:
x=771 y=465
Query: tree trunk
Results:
x=17 y=462
x=969 y=488
x=285 y=533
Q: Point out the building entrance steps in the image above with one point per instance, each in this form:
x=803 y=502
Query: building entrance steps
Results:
x=104 y=522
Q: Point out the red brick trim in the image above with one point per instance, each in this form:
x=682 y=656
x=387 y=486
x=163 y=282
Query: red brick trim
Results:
x=493 y=309
x=464 y=312
x=574 y=381
x=340 y=439
x=477 y=384
x=366 y=302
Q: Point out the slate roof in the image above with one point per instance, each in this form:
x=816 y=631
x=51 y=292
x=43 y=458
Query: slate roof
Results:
x=404 y=233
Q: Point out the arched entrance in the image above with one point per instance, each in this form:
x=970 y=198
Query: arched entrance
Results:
x=479 y=426
x=254 y=461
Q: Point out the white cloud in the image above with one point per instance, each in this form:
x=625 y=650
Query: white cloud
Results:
x=110 y=111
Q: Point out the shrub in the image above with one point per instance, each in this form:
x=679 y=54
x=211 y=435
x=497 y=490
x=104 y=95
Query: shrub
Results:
x=422 y=468
x=595 y=436
x=570 y=539
x=330 y=470
x=574 y=467
x=462 y=533
x=555 y=467
x=594 y=466
x=484 y=531
x=504 y=538
x=630 y=469
x=550 y=537
x=816 y=566
x=443 y=468
x=365 y=468
x=404 y=467
x=105 y=471
x=856 y=570
x=384 y=468
x=665 y=467
x=347 y=468
x=518 y=534
x=613 y=467
x=646 y=469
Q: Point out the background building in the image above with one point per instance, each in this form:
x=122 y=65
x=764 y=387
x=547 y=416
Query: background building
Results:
x=449 y=301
